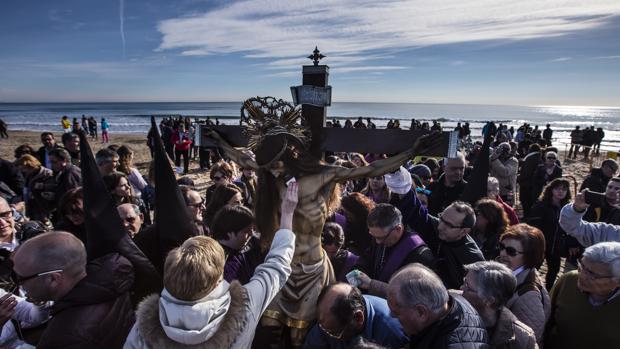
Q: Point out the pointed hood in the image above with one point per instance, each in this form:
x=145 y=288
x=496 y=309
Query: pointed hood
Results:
x=476 y=187
x=173 y=222
x=104 y=229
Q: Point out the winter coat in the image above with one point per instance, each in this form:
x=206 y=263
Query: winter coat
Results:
x=42 y=155
x=68 y=179
x=545 y=216
x=181 y=141
x=506 y=173
x=42 y=181
x=450 y=257
x=462 y=328
x=226 y=318
x=528 y=167
x=442 y=196
x=586 y=233
x=510 y=333
x=510 y=211
x=379 y=327
x=10 y=175
x=97 y=312
x=595 y=181
x=542 y=178
x=530 y=303
x=28 y=315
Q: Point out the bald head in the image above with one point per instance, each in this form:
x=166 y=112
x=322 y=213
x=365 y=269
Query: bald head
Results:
x=54 y=250
x=342 y=309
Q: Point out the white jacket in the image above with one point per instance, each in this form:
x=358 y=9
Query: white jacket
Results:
x=586 y=233
x=229 y=314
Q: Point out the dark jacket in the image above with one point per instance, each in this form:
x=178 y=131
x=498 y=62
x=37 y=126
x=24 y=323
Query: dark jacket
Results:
x=41 y=154
x=68 y=179
x=10 y=175
x=37 y=206
x=442 y=196
x=97 y=312
x=542 y=178
x=462 y=328
x=545 y=217
x=595 y=181
x=450 y=257
x=605 y=213
x=240 y=265
x=528 y=167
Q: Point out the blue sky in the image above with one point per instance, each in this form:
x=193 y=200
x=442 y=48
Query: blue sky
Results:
x=526 y=52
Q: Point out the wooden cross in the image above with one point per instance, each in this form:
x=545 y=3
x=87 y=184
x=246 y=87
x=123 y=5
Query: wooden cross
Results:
x=324 y=139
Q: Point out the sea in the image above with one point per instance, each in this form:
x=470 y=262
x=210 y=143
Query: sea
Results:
x=135 y=117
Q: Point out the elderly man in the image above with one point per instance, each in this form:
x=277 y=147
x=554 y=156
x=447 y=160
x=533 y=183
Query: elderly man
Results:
x=487 y=287
x=585 y=304
x=8 y=238
x=92 y=308
x=450 y=185
x=197 y=308
x=504 y=166
x=447 y=236
x=432 y=317
x=107 y=160
x=345 y=315
x=131 y=217
x=392 y=248
x=571 y=220
x=68 y=176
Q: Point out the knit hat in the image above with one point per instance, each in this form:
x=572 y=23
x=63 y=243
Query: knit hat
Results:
x=421 y=171
x=399 y=182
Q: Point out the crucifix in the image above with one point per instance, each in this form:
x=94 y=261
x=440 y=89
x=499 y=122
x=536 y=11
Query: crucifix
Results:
x=289 y=142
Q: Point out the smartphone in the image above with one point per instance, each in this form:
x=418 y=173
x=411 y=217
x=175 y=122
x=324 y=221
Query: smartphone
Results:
x=594 y=198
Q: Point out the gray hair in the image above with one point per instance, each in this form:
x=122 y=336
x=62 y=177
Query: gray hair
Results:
x=418 y=284
x=134 y=207
x=384 y=216
x=605 y=253
x=495 y=281
x=459 y=156
x=492 y=180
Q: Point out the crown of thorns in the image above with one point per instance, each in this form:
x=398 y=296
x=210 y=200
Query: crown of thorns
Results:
x=267 y=116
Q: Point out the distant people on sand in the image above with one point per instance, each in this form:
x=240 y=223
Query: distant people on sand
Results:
x=105 y=138
x=3 y=129
x=92 y=128
x=66 y=124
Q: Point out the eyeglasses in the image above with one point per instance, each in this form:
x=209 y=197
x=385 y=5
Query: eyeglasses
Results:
x=197 y=204
x=590 y=273
x=453 y=226
x=21 y=279
x=382 y=239
x=331 y=334
x=511 y=251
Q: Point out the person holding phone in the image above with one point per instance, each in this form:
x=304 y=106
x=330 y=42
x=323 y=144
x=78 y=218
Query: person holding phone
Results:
x=24 y=314
x=571 y=220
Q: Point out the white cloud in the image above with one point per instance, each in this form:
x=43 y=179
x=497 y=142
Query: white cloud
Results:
x=353 y=31
x=562 y=59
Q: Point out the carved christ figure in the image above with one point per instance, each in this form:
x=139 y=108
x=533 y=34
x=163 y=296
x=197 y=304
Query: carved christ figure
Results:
x=280 y=150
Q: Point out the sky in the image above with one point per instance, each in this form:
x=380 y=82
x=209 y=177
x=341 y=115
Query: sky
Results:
x=527 y=52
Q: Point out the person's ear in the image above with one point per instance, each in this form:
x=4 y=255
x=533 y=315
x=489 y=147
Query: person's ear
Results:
x=422 y=312
x=142 y=217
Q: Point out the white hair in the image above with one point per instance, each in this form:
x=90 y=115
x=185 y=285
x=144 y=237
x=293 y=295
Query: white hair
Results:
x=492 y=181
x=418 y=284
x=605 y=253
x=495 y=281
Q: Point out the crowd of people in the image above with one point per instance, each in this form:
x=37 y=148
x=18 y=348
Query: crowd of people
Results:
x=440 y=253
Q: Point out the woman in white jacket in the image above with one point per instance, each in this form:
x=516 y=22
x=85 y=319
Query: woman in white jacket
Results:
x=198 y=308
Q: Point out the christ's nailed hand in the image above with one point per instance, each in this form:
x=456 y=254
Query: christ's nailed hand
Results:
x=427 y=143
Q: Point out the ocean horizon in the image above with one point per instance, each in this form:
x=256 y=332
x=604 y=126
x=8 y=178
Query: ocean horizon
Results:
x=134 y=117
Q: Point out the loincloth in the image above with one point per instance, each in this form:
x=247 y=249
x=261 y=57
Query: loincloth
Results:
x=295 y=304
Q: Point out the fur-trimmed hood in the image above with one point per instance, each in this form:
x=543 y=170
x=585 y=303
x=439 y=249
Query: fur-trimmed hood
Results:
x=212 y=322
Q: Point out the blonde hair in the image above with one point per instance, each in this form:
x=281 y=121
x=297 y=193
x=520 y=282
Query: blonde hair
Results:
x=193 y=270
x=28 y=160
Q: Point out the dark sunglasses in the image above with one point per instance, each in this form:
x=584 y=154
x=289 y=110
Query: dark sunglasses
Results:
x=511 y=251
x=21 y=279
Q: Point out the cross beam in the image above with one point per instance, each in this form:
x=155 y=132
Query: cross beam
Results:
x=377 y=141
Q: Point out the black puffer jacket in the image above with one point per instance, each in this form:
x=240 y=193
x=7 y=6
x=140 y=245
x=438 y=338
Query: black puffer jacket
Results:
x=462 y=328
x=97 y=312
x=442 y=196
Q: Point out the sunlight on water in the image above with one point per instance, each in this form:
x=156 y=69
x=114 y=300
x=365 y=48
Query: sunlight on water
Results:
x=580 y=111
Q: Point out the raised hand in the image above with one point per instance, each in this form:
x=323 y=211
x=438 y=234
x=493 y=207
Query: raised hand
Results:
x=426 y=143
x=7 y=308
x=580 y=203
x=289 y=203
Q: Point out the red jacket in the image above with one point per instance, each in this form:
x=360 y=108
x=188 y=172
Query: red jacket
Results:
x=510 y=212
x=181 y=143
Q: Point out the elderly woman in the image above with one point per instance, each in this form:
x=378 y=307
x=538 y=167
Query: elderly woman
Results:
x=39 y=188
x=488 y=286
x=491 y=223
x=493 y=193
x=522 y=249
x=585 y=304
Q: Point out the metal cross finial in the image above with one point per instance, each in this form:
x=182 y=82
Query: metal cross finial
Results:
x=316 y=56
